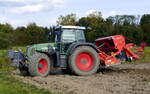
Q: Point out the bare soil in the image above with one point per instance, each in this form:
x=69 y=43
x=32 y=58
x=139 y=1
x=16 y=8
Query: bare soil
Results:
x=120 y=79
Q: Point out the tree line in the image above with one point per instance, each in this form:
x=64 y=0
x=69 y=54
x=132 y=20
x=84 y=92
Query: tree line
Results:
x=136 y=28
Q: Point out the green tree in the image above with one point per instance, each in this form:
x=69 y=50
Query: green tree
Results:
x=95 y=14
x=145 y=19
x=20 y=36
x=69 y=19
x=145 y=25
x=95 y=21
x=122 y=20
x=126 y=25
x=5 y=40
x=6 y=28
x=36 y=34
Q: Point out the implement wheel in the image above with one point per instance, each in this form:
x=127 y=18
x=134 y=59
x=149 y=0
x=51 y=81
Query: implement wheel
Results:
x=84 y=61
x=39 y=65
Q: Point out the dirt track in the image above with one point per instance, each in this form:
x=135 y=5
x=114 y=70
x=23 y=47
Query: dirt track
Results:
x=121 y=79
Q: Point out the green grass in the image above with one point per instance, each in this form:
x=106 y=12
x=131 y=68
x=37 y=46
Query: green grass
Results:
x=145 y=57
x=10 y=85
x=5 y=62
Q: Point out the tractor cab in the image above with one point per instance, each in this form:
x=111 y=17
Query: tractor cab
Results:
x=69 y=34
x=66 y=35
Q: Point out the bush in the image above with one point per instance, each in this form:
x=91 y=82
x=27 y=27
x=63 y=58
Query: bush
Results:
x=4 y=43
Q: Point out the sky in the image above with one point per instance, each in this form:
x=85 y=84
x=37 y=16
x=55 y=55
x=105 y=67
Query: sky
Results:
x=46 y=12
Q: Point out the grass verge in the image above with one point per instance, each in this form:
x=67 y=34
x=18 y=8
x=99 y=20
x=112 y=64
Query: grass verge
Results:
x=10 y=85
x=145 y=58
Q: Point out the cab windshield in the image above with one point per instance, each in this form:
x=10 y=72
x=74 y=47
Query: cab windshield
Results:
x=70 y=35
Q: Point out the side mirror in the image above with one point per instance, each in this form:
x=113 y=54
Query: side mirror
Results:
x=50 y=37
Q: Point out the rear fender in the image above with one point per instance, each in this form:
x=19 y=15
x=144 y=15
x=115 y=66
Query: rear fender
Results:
x=73 y=46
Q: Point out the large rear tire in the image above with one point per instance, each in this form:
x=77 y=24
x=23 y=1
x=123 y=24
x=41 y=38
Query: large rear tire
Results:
x=39 y=65
x=84 y=61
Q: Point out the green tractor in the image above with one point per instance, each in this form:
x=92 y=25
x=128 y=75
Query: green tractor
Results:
x=69 y=52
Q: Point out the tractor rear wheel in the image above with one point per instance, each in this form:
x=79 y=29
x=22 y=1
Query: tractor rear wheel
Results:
x=84 y=61
x=39 y=65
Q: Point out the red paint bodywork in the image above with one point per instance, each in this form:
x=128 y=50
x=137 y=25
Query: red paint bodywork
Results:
x=111 y=46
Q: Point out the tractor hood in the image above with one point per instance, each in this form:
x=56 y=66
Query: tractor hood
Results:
x=31 y=50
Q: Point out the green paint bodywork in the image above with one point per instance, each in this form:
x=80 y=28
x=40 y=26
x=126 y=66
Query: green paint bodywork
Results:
x=68 y=36
x=30 y=51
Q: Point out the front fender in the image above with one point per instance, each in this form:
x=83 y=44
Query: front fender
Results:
x=48 y=50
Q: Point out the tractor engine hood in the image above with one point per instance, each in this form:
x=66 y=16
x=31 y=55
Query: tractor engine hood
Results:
x=31 y=50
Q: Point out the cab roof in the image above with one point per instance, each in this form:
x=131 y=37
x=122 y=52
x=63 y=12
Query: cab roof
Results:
x=73 y=27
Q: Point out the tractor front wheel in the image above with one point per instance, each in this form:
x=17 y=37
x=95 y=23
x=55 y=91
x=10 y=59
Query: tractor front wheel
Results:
x=84 y=61
x=39 y=65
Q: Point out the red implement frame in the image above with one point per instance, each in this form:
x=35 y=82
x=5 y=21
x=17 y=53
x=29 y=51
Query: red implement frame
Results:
x=110 y=47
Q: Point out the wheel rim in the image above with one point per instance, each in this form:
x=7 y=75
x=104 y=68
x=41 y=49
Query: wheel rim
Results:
x=85 y=61
x=43 y=66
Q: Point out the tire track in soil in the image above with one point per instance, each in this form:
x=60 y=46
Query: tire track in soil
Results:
x=121 y=79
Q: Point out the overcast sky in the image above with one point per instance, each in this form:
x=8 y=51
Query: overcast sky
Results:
x=46 y=12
